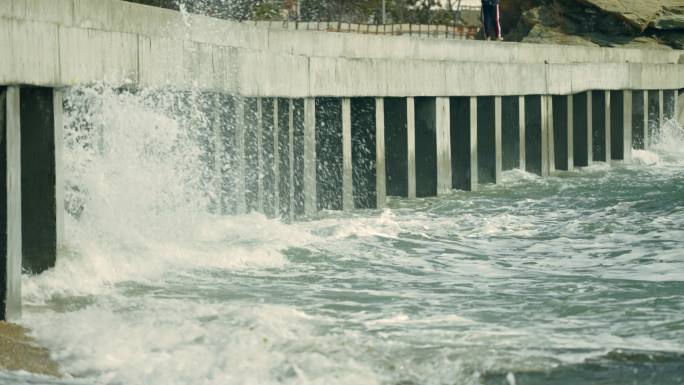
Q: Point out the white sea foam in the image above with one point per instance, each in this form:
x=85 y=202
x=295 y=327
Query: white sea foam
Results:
x=139 y=198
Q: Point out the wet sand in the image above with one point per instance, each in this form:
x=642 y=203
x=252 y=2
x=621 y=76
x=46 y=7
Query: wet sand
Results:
x=18 y=351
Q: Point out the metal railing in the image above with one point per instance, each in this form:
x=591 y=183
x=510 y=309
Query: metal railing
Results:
x=459 y=32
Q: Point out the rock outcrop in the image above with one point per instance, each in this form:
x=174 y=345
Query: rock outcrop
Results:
x=656 y=24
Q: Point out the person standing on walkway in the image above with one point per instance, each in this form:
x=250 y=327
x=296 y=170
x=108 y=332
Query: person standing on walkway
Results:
x=491 y=24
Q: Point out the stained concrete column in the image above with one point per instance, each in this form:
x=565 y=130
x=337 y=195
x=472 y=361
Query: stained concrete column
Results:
x=284 y=159
x=646 y=137
x=269 y=157
x=581 y=132
x=58 y=110
x=411 y=145
x=548 y=138
x=217 y=142
x=260 y=154
x=276 y=158
x=240 y=185
x=380 y=169
x=443 y=145
x=290 y=160
x=363 y=149
x=486 y=139
x=497 y=140
x=537 y=124
x=601 y=126
x=299 y=157
x=521 y=134
x=474 y=179
x=347 y=182
x=251 y=145
x=309 y=156
x=10 y=205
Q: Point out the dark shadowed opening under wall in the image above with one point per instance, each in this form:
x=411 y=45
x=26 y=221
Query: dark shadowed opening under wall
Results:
x=38 y=201
x=426 y=147
x=363 y=152
x=329 y=153
x=638 y=124
x=580 y=130
x=533 y=134
x=396 y=147
x=510 y=132
x=460 y=142
x=599 y=125
x=252 y=123
x=560 y=131
x=268 y=160
x=284 y=156
x=298 y=147
x=617 y=122
x=486 y=140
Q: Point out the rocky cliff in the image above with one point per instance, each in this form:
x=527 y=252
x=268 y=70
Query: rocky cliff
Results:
x=657 y=24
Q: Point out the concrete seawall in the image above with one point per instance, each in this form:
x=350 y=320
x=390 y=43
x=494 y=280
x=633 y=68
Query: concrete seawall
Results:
x=308 y=121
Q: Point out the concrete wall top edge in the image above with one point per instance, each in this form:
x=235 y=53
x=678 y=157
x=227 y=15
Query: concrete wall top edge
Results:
x=222 y=56
x=121 y=16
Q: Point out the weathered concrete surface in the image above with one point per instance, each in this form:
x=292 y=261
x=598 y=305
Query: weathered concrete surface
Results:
x=18 y=351
x=71 y=42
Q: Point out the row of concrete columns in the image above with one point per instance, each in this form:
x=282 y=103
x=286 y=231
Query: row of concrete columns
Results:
x=293 y=157
x=346 y=153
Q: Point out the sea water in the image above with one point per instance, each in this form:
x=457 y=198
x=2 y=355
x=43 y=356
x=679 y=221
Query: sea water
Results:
x=576 y=278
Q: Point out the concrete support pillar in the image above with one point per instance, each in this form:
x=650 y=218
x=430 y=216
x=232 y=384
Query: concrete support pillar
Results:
x=608 y=125
x=252 y=149
x=299 y=157
x=380 y=168
x=537 y=124
x=548 y=138
x=645 y=135
x=285 y=158
x=309 y=156
x=268 y=158
x=474 y=179
x=411 y=145
x=260 y=154
x=10 y=205
x=621 y=125
x=655 y=134
x=240 y=185
x=217 y=143
x=347 y=180
x=510 y=132
x=58 y=108
x=521 y=134
x=443 y=112
x=497 y=140
x=276 y=157
x=290 y=158
x=654 y=116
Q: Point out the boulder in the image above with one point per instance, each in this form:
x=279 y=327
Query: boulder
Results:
x=669 y=18
x=608 y=23
x=637 y=13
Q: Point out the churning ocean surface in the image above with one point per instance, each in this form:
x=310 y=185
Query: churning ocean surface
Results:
x=572 y=279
